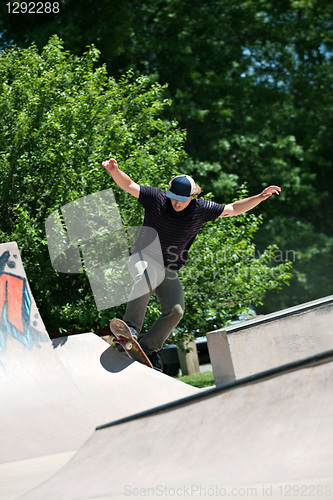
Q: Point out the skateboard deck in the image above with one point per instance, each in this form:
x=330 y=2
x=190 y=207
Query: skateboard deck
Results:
x=122 y=336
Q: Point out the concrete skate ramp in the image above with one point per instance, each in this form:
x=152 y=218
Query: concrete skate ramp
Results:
x=268 y=341
x=54 y=394
x=266 y=435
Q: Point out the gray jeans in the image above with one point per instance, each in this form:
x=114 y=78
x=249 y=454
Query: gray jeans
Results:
x=150 y=277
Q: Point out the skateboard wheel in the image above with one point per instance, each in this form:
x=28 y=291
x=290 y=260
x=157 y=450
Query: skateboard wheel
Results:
x=128 y=346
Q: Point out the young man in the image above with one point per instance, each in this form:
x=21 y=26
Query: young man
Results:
x=177 y=217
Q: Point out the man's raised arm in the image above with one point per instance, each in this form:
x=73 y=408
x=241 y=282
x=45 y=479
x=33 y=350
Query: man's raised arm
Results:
x=120 y=178
x=241 y=206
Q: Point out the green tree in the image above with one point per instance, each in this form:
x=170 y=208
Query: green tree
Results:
x=61 y=115
x=251 y=82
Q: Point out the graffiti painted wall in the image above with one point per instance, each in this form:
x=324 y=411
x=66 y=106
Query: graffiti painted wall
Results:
x=19 y=316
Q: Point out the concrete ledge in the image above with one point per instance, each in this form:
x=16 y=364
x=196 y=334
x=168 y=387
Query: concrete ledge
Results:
x=271 y=340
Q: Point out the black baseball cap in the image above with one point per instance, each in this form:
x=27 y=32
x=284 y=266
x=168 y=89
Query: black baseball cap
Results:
x=182 y=187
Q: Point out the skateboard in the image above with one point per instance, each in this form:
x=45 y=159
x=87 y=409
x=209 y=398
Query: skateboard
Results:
x=121 y=335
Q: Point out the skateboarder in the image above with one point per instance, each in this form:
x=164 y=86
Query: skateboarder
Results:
x=177 y=216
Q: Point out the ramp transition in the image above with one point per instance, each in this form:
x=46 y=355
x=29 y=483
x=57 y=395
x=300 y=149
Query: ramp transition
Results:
x=269 y=435
x=54 y=393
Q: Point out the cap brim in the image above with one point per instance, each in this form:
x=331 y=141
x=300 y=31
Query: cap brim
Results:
x=177 y=197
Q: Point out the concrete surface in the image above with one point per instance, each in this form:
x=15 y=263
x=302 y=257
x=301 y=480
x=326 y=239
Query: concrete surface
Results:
x=268 y=435
x=265 y=436
x=54 y=394
x=271 y=340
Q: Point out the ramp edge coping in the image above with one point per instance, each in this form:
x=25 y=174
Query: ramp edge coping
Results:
x=317 y=359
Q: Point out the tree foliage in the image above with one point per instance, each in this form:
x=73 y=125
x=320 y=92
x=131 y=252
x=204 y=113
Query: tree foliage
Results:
x=61 y=115
x=252 y=84
x=250 y=81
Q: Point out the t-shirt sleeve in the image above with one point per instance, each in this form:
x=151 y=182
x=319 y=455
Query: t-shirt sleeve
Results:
x=211 y=210
x=148 y=195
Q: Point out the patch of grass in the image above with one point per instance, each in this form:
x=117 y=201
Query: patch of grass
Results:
x=205 y=379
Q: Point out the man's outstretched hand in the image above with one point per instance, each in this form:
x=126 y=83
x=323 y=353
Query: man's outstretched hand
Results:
x=110 y=165
x=267 y=192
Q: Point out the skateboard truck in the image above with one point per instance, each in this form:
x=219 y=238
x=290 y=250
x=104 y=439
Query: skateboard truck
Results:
x=122 y=336
x=123 y=341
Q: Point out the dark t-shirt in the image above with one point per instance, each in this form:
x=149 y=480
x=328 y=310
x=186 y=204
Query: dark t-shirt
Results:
x=176 y=230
